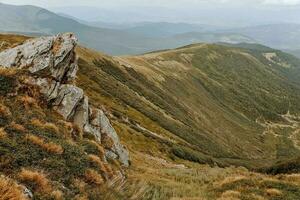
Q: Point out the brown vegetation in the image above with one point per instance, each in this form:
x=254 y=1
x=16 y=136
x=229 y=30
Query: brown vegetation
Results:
x=4 y=111
x=38 y=180
x=28 y=101
x=17 y=127
x=9 y=190
x=91 y=176
x=3 y=134
x=49 y=147
x=45 y=125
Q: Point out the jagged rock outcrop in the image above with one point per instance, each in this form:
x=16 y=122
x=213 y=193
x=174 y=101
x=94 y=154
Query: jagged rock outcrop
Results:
x=52 y=62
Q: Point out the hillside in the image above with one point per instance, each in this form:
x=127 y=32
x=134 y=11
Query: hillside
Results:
x=214 y=96
x=185 y=115
x=202 y=103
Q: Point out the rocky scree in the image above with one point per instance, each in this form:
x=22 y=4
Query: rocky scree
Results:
x=52 y=62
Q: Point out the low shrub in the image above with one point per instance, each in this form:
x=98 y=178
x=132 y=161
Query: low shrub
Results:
x=38 y=181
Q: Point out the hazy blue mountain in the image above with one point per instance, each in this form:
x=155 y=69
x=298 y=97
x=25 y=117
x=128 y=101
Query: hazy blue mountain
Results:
x=35 y=20
x=294 y=52
x=281 y=36
x=165 y=29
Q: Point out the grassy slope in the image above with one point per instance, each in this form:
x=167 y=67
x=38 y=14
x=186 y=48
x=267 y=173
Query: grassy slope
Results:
x=213 y=99
x=41 y=150
x=156 y=171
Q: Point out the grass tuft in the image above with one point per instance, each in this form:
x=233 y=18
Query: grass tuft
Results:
x=91 y=176
x=9 y=190
x=37 y=180
x=49 y=147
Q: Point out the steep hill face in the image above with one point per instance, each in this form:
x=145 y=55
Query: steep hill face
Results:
x=52 y=138
x=232 y=103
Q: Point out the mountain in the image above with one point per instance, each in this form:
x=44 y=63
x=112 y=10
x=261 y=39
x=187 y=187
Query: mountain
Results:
x=37 y=21
x=280 y=36
x=294 y=52
x=194 y=114
x=165 y=29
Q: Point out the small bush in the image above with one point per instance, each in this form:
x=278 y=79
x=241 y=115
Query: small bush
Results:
x=37 y=180
x=9 y=190
x=49 y=147
x=91 y=176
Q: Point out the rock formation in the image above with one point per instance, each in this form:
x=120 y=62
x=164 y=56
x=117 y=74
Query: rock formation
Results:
x=52 y=62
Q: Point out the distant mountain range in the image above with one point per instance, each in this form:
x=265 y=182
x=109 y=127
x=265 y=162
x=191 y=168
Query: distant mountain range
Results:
x=35 y=20
x=137 y=38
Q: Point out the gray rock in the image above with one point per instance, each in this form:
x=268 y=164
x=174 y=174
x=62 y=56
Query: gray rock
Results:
x=45 y=56
x=81 y=116
x=68 y=98
x=94 y=131
x=110 y=155
x=100 y=120
x=27 y=192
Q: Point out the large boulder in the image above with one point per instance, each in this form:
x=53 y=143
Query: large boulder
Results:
x=53 y=63
x=45 y=56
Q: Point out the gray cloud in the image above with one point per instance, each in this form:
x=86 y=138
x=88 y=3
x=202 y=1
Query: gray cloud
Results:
x=167 y=3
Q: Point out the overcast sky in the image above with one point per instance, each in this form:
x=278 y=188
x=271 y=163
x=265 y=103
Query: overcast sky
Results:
x=213 y=12
x=166 y=3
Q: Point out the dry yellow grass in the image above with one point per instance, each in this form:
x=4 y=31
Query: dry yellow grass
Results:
x=91 y=176
x=80 y=185
x=38 y=179
x=49 y=147
x=7 y=71
x=57 y=195
x=67 y=128
x=80 y=197
x=231 y=179
x=95 y=159
x=3 y=134
x=100 y=149
x=45 y=125
x=28 y=101
x=230 y=195
x=106 y=141
x=273 y=192
x=17 y=127
x=9 y=190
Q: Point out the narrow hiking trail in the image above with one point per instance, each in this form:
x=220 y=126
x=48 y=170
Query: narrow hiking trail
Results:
x=291 y=128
